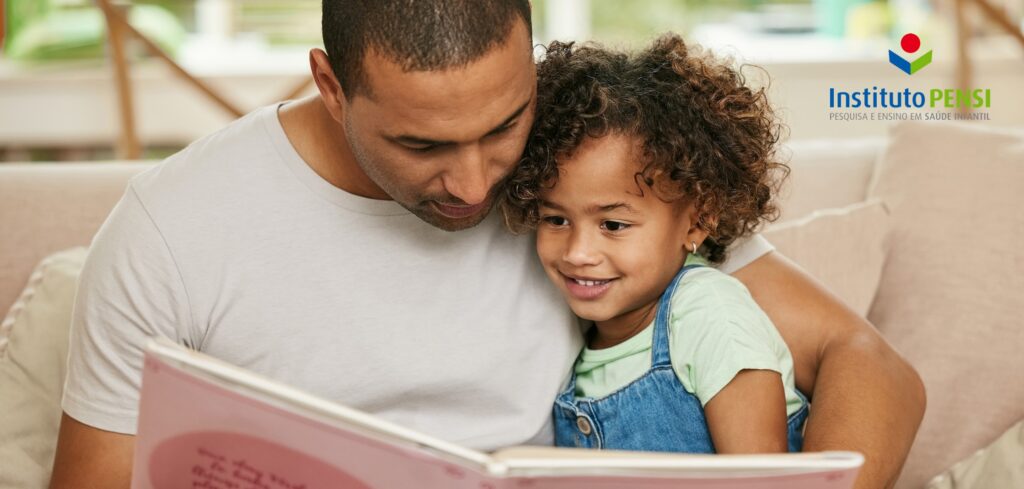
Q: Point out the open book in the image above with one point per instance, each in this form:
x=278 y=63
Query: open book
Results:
x=206 y=424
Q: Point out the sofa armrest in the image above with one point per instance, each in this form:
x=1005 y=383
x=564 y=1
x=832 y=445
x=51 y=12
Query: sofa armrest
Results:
x=47 y=207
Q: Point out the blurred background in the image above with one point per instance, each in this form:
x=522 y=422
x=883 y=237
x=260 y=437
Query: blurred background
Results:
x=95 y=80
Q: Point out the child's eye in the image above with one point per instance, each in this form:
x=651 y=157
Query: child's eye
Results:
x=556 y=221
x=614 y=226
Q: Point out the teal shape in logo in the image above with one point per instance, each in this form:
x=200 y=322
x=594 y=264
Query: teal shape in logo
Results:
x=910 y=67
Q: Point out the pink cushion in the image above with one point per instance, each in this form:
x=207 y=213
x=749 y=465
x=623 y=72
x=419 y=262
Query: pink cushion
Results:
x=951 y=293
x=840 y=247
x=827 y=174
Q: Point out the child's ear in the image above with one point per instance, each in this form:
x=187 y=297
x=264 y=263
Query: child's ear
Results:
x=698 y=229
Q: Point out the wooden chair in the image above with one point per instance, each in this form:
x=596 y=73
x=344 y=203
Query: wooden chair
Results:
x=964 y=70
x=119 y=32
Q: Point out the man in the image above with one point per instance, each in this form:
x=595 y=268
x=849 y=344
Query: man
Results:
x=310 y=242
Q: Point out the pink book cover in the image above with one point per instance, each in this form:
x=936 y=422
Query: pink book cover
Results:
x=206 y=424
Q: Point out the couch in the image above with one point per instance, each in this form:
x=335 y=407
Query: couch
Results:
x=919 y=231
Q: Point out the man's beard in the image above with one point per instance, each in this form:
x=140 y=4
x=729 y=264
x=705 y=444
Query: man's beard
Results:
x=422 y=208
x=426 y=212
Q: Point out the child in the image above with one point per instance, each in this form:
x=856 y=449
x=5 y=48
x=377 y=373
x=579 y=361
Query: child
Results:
x=641 y=170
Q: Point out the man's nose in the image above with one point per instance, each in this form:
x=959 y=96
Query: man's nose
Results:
x=468 y=179
x=580 y=250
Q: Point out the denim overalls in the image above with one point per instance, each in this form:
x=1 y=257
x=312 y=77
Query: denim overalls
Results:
x=652 y=413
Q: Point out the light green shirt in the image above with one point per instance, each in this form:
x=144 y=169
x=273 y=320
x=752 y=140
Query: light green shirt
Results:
x=715 y=331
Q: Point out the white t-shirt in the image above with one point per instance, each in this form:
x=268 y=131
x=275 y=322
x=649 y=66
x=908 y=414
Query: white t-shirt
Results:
x=236 y=248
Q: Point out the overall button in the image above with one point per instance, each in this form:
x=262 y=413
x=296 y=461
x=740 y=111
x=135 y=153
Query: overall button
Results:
x=584 y=425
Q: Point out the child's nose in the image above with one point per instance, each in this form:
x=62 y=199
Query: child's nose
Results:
x=580 y=250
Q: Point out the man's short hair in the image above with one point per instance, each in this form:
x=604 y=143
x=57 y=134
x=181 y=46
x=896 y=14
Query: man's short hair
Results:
x=418 y=35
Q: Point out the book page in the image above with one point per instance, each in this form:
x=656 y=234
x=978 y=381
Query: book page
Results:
x=205 y=424
x=579 y=468
x=782 y=462
x=195 y=433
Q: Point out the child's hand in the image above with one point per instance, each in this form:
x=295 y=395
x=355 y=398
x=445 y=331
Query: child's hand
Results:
x=749 y=414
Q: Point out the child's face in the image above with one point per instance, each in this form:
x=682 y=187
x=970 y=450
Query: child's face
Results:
x=609 y=249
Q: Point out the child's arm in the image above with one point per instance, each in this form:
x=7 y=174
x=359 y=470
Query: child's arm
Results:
x=726 y=352
x=836 y=353
x=749 y=414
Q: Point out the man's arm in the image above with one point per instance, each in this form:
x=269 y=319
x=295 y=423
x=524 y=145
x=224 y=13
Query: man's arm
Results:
x=91 y=458
x=866 y=397
x=130 y=289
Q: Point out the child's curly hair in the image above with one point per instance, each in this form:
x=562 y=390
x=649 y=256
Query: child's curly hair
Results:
x=705 y=135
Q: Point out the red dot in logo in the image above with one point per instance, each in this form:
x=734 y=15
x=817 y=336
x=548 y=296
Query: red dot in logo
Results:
x=910 y=43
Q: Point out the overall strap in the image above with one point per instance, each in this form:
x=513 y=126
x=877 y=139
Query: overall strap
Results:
x=568 y=394
x=660 y=347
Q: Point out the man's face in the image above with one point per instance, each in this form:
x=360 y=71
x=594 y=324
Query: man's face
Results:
x=438 y=142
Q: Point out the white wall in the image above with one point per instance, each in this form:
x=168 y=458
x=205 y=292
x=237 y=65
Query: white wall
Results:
x=77 y=107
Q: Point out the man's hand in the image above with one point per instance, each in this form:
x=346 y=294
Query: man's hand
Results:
x=90 y=458
x=866 y=398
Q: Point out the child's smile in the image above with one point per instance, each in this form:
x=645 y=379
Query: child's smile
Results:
x=610 y=244
x=587 y=288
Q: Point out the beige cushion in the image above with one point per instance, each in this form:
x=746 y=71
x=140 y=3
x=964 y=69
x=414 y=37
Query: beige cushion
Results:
x=840 y=247
x=951 y=294
x=826 y=174
x=1000 y=464
x=33 y=355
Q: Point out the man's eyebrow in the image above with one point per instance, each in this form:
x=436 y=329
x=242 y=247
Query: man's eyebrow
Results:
x=418 y=141
x=515 y=115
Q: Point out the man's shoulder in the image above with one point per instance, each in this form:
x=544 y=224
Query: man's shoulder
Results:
x=213 y=168
x=245 y=142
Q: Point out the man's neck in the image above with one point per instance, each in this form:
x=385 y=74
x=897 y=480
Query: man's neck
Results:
x=320 y=142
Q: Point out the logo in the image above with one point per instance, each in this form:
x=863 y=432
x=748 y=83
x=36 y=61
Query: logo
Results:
x=877 y=103
x=910 y=43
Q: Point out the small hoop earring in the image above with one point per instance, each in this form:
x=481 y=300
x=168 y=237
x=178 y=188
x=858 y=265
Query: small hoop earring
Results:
x=694 y=250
